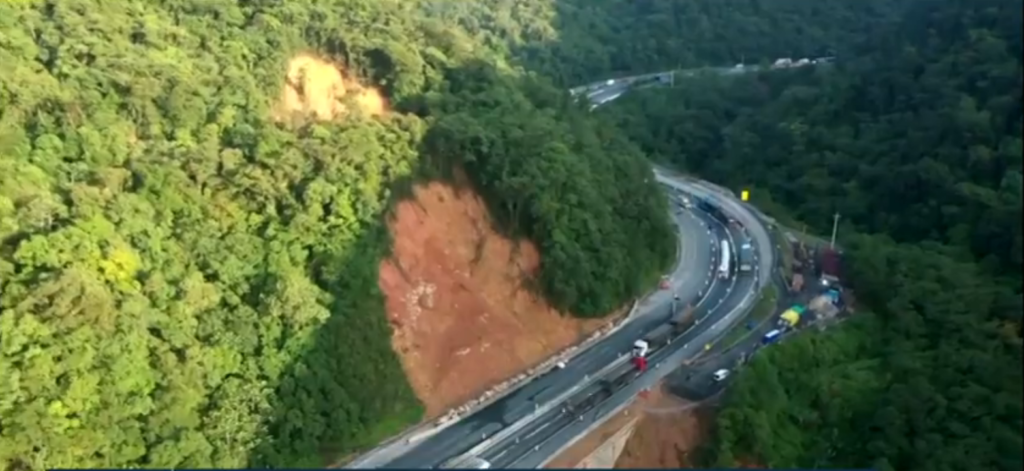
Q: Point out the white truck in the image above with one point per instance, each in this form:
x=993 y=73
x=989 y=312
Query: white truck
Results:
x=725 y=261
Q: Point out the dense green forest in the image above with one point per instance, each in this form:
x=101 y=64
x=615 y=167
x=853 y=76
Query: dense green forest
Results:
x=187 y=279
x=914 y=138
x=579 y=41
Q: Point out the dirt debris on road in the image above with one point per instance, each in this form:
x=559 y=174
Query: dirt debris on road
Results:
x=572 y=456
x=458 y=300
x=668 y=429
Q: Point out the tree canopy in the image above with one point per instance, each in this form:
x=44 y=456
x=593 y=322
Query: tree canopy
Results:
x=914 y=137
x=189 y=278
x=188 y=273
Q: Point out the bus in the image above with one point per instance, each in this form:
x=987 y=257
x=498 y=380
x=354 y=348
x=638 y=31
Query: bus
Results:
x=725 y=260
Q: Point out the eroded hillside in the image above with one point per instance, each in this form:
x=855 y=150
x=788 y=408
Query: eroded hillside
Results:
x=459 y=299
x=314 y=86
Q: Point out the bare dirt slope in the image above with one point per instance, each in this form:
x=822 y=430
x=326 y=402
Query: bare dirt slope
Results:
x=458 y=300
x=456 y=291
x=669 y=430
x=314 y=86
x=572 y=457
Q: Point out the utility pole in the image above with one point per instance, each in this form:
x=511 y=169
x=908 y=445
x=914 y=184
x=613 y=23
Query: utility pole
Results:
x=835 y=227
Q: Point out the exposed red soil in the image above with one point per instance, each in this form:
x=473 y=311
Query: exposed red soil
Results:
x=671 y=428
x=458 y=299
x=668 y=429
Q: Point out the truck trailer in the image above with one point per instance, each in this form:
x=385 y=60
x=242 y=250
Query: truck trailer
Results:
x=661 y=335
x=683 y=320
x=725 y=260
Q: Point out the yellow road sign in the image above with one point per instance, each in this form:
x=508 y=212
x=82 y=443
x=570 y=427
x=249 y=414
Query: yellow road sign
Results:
x=745 y=195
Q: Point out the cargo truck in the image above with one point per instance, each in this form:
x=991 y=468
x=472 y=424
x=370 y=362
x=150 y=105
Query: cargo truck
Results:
x=683 y=320
x=746 y=257
x=791 y=316
x=830 y=267
x=661 y=335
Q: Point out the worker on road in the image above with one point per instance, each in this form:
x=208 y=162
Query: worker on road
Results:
x=707 y=347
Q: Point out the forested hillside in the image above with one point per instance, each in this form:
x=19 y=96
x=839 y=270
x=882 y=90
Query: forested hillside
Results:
x=915 y=139
x=579 y=41
x=192 y=207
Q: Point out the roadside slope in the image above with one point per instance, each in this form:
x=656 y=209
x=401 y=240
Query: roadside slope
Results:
x=459 y=299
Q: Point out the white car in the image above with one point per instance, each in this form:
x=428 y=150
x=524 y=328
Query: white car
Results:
x=610 y=82
x=720 y=375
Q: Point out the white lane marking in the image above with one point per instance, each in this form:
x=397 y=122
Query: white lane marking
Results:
x=535 y=432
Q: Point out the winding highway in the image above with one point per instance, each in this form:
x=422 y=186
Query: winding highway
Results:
x=692 y=281
x=532 y=423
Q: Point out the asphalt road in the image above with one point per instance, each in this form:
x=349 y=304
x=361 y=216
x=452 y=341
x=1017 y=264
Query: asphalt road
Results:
x=548 y=433
x=688 y=281
x=600 y=93
x=692 y=278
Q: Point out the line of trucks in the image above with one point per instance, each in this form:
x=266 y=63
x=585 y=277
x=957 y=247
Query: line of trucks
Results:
x=745 y=253
x=661 y=336
x=824 y=305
